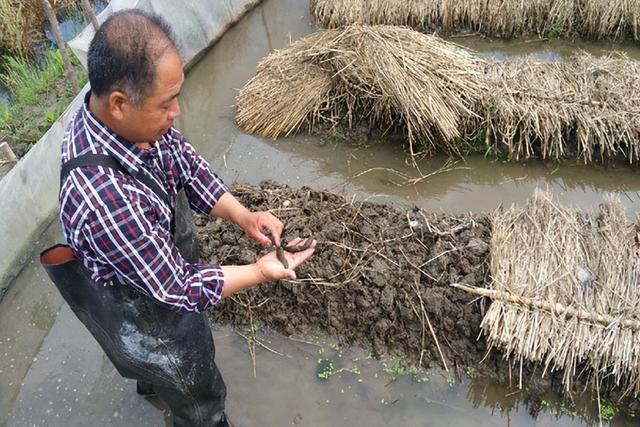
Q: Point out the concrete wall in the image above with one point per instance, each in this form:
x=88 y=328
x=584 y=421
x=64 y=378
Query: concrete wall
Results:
x=28 y=193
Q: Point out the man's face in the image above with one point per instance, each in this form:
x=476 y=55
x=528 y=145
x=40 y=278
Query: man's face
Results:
x=151 y=119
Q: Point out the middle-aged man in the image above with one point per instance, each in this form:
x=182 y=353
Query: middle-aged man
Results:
x=131 y=271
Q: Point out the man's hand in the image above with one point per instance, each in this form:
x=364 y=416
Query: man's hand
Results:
x=272 y=269
x=256 y=224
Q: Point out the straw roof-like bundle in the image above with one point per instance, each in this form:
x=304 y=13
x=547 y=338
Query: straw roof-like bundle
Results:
x=585 y=107
x=566 y=290
x=381 y=75
x=439 y=94
x=587 y=18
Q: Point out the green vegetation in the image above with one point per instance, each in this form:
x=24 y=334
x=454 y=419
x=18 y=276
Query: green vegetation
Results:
x=31 y=74
x=471 y=372
x=556 y=31
x=608 y=410
x=325 y=369
x=39 y=96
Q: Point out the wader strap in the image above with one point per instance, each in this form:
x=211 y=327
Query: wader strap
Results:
x=107 y=161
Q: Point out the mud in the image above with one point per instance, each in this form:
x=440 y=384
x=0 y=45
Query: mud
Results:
x=376 y=272
x=380 y=279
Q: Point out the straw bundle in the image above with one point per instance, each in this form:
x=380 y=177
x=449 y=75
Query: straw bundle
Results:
x=585 y=107
x=439 y=94
x=566 y=290
x=587 y=18
x=386 y=76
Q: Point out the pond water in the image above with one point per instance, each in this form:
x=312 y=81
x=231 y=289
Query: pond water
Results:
x=476 y=185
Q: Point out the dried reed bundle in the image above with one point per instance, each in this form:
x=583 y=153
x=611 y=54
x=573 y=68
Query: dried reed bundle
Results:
x=585 y=107
x=566 y=290
x=505 y=18
x=382 y=75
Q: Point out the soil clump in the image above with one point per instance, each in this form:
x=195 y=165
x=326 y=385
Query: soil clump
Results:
x=379 y=277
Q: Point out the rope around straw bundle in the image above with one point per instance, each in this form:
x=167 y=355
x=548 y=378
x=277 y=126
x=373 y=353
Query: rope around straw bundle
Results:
x=441 y=95
x=566 y=290
x=593 y=19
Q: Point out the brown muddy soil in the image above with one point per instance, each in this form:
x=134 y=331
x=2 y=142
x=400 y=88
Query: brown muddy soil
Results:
x=378 y=277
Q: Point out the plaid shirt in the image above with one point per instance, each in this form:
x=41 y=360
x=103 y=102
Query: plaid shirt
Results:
x=120 y=229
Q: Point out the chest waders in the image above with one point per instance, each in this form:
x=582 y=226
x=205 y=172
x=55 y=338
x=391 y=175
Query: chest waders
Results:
x=171 y=353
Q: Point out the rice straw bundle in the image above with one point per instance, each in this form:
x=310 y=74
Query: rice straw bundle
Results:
x=439 y=94
x=505 y=18
x=585 y=107
x=386 y=76
x=566 y=290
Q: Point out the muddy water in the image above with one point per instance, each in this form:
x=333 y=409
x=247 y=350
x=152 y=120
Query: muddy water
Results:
x=365 y=171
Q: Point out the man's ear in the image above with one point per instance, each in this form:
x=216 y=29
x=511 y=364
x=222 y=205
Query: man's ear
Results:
x=118 y=101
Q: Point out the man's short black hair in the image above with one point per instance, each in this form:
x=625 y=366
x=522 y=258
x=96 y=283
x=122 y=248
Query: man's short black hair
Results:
x=123 y=53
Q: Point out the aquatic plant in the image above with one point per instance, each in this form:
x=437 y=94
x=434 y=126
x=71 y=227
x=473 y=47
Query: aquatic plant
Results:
x=592 y=19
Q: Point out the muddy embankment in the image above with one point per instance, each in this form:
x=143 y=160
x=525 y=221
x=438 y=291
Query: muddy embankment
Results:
x=376 y=272
x=379 y=278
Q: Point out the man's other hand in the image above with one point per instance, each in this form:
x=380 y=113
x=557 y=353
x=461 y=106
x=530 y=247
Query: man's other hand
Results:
x=259 y=225
x=272 y=269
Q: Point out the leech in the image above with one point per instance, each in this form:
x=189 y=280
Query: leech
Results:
x=280 y=250
x=281 y=257
x=298 y=248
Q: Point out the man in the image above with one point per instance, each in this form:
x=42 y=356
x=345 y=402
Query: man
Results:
x=125 y=169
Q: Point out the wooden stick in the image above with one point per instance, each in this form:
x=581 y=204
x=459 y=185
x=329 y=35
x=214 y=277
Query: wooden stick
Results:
x=55 y=28
x=433 y=333
x=557 y=308
x=8 y=152
x=88 y=10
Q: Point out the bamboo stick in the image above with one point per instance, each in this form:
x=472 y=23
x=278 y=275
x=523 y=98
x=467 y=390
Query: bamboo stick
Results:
x=557 y=309
x=88 y=10
x=8 y=152
x=55 y=28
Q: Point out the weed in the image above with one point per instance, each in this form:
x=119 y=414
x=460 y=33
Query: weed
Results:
x=26 y=81
x=471 y=372
x=556 y=31
x=451 y=380
x=5 y=114
x=395 y=369
x=325 y=369
x=608 y=410
x=52 y=116
x=15 y=38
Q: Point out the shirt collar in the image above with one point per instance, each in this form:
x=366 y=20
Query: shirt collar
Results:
x=127 y=153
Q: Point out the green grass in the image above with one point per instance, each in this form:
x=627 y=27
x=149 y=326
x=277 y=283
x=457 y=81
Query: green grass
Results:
x=39 y=94
x=26 y=81
x=608 y=410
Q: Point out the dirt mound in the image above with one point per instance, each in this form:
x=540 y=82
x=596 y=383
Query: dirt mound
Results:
x=379 y=277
